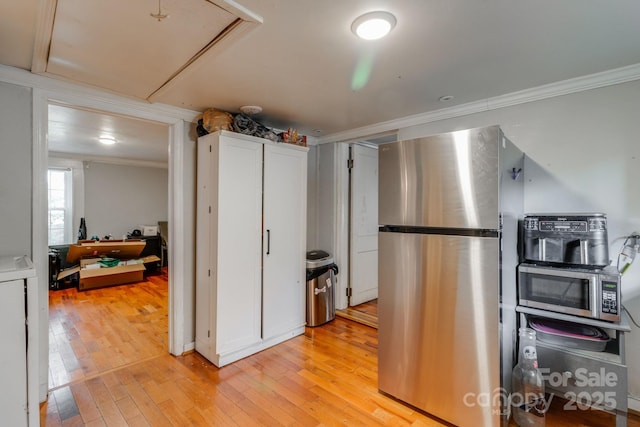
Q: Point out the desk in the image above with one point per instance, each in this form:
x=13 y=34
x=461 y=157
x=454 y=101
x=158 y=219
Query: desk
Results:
x=153 y=247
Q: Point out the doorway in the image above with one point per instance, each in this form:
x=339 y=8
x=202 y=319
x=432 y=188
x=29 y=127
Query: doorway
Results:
x=117 y=188
x=361 y=240
x=180 y=185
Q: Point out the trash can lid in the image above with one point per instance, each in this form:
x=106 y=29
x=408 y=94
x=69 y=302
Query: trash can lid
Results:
x=318 y=258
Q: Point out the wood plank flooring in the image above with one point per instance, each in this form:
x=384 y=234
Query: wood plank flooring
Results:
x=328 y=376
x=369 y=307
x=95 y=331
x=366 y=313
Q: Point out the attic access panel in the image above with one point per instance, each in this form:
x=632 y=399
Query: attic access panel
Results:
x=117 y=44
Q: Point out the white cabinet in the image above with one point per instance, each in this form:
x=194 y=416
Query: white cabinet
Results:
x=18 y=358
x=250 y=254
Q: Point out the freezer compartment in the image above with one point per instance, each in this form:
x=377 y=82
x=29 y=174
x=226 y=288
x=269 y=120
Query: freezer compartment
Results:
x=449 y=180
x=439 y=325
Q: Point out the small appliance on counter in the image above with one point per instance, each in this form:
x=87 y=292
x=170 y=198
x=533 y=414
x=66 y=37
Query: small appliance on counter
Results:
x=566 y=239
x=578 y=291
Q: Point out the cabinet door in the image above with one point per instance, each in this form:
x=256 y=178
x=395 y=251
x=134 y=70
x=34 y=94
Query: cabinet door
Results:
x=13 y=354
x=284 y=239
x=238 y=249
x=229 y=245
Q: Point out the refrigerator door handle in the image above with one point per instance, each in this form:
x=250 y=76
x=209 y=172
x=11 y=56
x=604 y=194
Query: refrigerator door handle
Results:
x=268 y=242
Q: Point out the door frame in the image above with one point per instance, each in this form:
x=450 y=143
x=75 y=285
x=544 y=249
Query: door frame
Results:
x=351 y=163
x=342 y=202
x=47 y=91
x=341 y=236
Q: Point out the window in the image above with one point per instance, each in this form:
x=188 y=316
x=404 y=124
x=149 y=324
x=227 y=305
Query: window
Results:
x=60 y=218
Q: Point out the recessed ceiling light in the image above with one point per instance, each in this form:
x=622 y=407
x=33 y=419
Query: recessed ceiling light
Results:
x=251 y=109
x=446 y=98
x=107 y=140
x=373 y=25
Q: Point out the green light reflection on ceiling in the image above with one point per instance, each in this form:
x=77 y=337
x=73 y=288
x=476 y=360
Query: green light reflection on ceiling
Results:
x=362 y=71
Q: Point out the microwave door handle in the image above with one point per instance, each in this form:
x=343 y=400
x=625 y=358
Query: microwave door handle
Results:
x=584 y=252
x=594 y=297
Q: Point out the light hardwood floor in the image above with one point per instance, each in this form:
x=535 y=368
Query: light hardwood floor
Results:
x=366 y=313
x=110 y=367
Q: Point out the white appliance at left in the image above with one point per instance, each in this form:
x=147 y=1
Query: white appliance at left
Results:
x=19 y=349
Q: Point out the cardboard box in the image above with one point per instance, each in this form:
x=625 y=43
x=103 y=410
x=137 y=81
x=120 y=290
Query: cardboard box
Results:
x=110 y=276
x=120 y=250
x=90 y=275
x=150 y=258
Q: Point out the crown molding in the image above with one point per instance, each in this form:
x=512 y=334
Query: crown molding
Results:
x=565 y=87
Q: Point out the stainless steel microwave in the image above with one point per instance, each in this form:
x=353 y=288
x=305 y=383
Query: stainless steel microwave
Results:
x=581 y=292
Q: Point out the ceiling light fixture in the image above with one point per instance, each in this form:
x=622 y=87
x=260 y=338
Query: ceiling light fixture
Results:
x=251 y=109
x=373 y=25
x=159 y=16
x=107 y=140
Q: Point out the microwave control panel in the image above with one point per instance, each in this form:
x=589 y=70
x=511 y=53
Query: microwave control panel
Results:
x=609 y=297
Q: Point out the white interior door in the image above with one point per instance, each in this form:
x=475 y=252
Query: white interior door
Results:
x=364 y=225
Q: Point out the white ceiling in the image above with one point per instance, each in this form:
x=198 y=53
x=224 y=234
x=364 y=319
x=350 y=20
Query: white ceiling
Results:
x=299 y=60
x=75 y=133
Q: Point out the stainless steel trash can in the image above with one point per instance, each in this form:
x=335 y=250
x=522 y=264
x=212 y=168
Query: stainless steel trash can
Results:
x=321 y=271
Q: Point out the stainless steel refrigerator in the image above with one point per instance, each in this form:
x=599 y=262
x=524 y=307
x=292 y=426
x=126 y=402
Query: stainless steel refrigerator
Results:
x=449 y=207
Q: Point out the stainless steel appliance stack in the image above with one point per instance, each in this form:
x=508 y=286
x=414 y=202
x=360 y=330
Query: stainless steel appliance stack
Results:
x=449 y=206
x=570 y=295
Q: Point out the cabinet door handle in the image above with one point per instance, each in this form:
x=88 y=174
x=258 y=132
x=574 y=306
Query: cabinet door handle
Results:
x=268 y=242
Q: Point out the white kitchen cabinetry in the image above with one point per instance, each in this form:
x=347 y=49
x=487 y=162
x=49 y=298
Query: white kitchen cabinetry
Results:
x=251 y=242
x=19 y=350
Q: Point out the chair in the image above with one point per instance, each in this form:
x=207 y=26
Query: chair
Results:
x=163 y=229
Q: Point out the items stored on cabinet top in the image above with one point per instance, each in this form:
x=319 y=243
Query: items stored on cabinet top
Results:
x=214 y=120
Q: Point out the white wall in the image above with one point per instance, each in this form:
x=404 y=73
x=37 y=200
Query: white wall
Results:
x=312 y=197
x=583 y=154
x=326 y=195
x=120 y=198
x=15 y=170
